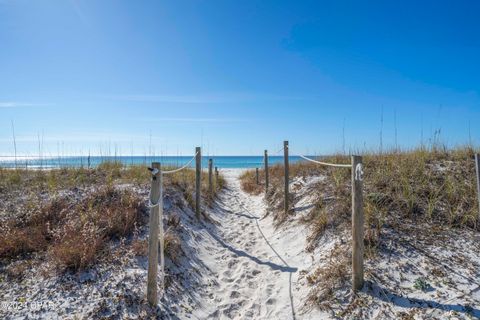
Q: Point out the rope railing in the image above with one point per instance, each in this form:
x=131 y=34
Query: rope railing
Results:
x=156 y=232
x=150 y=203
x=278 y=152
x=336 y=165
x=181 y=168
x=357 y=208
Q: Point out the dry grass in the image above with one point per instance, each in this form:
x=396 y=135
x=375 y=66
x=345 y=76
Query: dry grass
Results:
x=20 y=189
x=140 y=247
x=77 y=247
x=73 y=234
x=172 y=243
x=70 y=215
x=435 y=186
x=13 y=182
x=173 y=246
x=329 y=278
x=17 y=271
x=249 y=182
x=184 y=180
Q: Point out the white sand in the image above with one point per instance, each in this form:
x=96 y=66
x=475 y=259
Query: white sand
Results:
x=237 y=268
x=253 y=270
x=241 y=267
x=258 y=272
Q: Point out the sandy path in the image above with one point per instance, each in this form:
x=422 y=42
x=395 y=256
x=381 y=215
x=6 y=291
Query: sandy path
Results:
x=250 y=270
x=246 y=277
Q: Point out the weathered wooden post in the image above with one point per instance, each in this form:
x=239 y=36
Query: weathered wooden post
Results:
x=210 y=176
x=198 y=179
x=265 y=161
x=477 y=167
x=357 y=223
x=154 y=221
x=287 y=178
x=216 y=175
x=256 y=176
x=162 y=238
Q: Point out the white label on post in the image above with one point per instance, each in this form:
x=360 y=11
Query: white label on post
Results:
x=359 y=172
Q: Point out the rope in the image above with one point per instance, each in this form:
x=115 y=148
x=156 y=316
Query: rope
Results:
x=150 y=204
x=327 y=164
x=180 y=169
x=155 y=171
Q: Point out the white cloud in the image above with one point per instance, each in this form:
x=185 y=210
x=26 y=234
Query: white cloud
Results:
x=13 y=104
x=191 y=99
x=97 y=137
x=205 y=98
x=218 y=120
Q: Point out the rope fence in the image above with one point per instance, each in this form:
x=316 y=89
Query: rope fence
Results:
x=155 y=203
x=357 y=205
x=357 y=174
x=181 y=168
x=336 y=165
x=156 y=233
x=280 y=150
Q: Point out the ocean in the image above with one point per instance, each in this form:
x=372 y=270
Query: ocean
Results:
x=173 y=161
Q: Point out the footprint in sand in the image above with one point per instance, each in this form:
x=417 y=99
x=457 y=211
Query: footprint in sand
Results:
x=269 y=289
x=232 y=263
x=256 y=272
x=227 y=273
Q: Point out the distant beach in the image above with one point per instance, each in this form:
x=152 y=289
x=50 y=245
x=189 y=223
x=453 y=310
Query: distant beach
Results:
x=230 y=162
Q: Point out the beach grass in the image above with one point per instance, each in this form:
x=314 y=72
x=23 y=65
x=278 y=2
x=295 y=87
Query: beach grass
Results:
x=71 y=215
x=436 y=185
x=414 y=195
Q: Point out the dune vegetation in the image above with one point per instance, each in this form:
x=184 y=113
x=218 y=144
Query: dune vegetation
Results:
x=435 y=185
x=71 y=216
x=413 y=199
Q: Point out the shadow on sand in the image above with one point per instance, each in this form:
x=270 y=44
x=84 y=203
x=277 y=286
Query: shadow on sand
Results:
x=386 y=295
x=244 y=254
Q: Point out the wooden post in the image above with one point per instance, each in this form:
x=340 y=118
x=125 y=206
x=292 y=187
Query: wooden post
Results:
x=287 y=178
x=210 y=176
x=357 y=223
x=198 y=180
x=256 y=175
x=155 y=200
x=162 y=238
x=266 y=170
x=477 y=167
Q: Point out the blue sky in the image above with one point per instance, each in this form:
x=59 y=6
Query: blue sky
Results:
x=236 y=76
